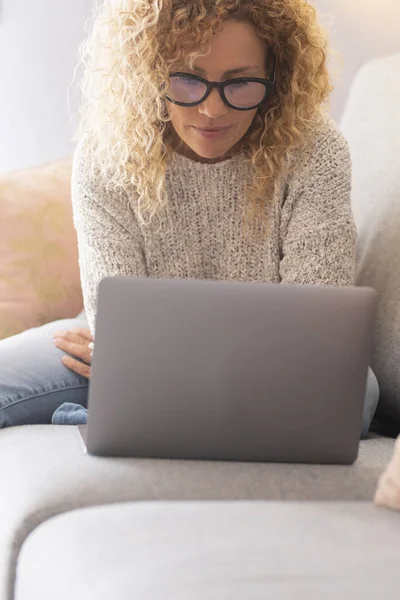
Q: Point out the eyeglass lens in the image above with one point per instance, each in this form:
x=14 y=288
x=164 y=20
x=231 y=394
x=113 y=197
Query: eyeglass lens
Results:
x=189 y=90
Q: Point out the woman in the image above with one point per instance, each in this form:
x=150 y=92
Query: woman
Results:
x=204 y=152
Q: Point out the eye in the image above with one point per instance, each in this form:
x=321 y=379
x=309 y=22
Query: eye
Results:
x=188 y=80
x=239 y=84
x=185 y=79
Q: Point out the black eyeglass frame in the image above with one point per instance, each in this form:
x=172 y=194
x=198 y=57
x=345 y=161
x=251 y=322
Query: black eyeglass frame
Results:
x=221 y=85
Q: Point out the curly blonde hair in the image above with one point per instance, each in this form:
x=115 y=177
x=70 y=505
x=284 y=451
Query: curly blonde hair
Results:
x=127 y=59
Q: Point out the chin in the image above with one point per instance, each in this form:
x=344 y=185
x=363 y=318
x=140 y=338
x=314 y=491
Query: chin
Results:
x=210 y=153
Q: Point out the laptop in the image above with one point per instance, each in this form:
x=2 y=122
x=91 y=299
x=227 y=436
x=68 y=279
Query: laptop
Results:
x=227 y=371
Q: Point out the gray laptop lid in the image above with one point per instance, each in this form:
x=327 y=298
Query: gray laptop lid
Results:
x=229 y=371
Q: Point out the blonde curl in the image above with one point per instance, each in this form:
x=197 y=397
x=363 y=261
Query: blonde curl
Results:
x=126 y=61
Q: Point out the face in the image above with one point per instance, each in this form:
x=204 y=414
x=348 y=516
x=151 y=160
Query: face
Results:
x=237 y=47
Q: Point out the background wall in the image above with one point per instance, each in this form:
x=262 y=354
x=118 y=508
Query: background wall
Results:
x=38 y=53
x=360 y=30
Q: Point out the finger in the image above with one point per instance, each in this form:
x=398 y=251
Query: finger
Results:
x=59 y=334
x=77 y=366
x=84 y=333
x=78 y=350
x=69 y=336
x=73 y=338
x=75 y=335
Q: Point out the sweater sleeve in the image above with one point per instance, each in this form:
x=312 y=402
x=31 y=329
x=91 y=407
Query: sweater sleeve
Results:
x=318 y=235
x=109 y=239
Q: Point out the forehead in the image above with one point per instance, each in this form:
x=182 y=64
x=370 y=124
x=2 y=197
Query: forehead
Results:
x=236 y=45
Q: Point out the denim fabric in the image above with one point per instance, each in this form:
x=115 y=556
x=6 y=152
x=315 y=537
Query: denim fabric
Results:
x=35 y=385
x=70 y=414
x=371 y=402
x=33 y=380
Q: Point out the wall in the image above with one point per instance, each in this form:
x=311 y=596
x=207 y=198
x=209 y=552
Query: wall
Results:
x=38 y=53
x=360 y=30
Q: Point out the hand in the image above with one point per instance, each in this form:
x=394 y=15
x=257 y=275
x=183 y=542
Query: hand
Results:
x=78 y=343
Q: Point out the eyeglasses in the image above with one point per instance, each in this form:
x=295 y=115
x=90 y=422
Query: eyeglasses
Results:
x=244 y=93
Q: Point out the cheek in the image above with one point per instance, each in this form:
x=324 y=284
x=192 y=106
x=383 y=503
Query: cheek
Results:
x=244 y=121
x=247 y=118
x=178 y=116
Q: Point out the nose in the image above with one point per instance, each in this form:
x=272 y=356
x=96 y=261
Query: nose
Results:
x=214 y=107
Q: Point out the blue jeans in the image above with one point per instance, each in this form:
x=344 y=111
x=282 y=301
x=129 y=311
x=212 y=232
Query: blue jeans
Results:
x=34 y=383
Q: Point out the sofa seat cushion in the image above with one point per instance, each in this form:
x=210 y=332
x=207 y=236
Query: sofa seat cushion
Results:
x=47 y=473
x=178 y=551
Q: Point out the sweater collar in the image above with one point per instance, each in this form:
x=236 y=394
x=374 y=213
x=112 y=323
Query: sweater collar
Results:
x=206 y=167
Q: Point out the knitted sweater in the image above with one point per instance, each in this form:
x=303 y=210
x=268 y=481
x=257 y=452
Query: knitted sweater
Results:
x=199 y=234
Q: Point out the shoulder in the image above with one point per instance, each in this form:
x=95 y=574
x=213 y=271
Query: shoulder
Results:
x=89 y=183
x=325 y=153
x=327 y=139
x=86 y=177
x=92 y=194
x=83 y=181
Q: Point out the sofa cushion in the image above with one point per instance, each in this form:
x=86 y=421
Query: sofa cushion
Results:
x=371 y=123
x=39 y=273
x=196 y=551
x=48 y=473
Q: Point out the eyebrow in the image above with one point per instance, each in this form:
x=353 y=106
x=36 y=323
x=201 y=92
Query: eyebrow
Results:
x=231 y=71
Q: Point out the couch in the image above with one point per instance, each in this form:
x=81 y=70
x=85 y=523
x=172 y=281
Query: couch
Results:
x=39 y=273
x=50 y=488
x=84 y=527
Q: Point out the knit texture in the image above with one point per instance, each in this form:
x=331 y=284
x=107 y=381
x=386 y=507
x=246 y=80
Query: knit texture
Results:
x=199 y=234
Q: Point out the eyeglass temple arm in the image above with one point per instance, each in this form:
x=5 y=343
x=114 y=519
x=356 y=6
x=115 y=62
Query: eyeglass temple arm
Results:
x=274 y=69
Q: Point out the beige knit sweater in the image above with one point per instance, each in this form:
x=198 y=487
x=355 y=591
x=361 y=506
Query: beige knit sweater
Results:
x=200 y=235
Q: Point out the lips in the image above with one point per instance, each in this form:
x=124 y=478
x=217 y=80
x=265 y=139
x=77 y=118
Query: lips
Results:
x=213 y=133
x=214 y=129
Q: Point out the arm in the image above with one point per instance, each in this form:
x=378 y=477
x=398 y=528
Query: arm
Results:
x=109 y=239
x=318 y=235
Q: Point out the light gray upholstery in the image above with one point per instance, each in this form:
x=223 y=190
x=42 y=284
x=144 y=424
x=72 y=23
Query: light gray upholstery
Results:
x=47 y=473
x=214 y=551
x=44 y=473
x=373 y=132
